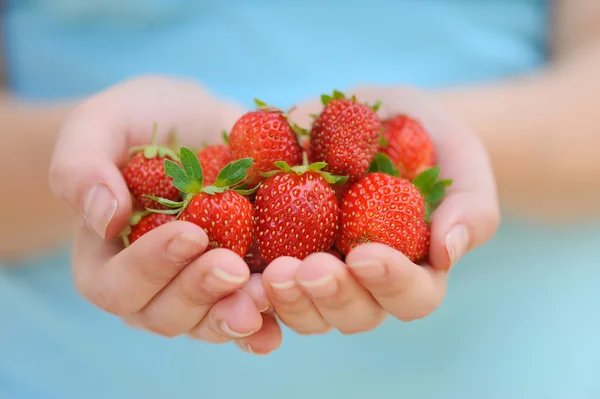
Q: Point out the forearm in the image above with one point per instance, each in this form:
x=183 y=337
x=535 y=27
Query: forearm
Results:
x=32 y=218
x=542 y=134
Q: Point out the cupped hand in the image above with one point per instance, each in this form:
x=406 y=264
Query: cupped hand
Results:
x=165 y=282
x=322 y=292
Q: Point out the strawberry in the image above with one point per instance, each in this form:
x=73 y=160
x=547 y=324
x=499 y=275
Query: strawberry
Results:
x=213 y=158
x=145 y=175
x=296 y=211
x=254 y=259
x=142 y=222
x=345 y=135
x=266 y=136
x=409 y=146
x=220 y=209
x=391 y=210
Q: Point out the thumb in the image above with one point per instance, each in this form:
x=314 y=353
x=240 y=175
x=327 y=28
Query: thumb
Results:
x=469 y=214
x=84 y=171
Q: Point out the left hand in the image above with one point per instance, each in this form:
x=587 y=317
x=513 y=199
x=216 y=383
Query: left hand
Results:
x=322 y=292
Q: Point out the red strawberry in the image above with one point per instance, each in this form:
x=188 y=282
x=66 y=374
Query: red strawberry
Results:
x=142 y=222
x=390 y=210
x=225 y=215
x=408 y=145
x=266 y=136
x=254 y=259
x=296 y=211
x=213 y=158
x=145 y=174
x=346 y=136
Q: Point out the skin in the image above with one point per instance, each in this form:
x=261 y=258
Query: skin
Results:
x=144 y=284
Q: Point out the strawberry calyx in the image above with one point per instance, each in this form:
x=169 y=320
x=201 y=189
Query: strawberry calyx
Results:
x=384 y=164
x=189 y=178
x=431 y=188
x=338 y=95
x=135 y=218
x=316 y=167
x=154 y=150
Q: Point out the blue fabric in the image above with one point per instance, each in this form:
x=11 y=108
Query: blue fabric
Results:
x=518 y=321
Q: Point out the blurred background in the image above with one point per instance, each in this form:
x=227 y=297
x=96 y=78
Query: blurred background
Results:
x=520 y=319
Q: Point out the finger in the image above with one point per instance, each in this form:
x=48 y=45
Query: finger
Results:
x=188 y=298
x=293 y=307
x=254 y=287
x=265 y=341
x=124 y=281
x=340 y=299
x=405 y=290
x=84 y=168
x=233 y=317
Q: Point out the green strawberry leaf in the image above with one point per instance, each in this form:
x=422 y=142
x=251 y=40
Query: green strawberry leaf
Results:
x=338 y=95
x=300 y=131
x=174 y=171
x=283 y=166
x=437 y=192
x=377 y=106
x=314 y=116
x=214 y=189
x=316 y=166
x=233 y=173
x=334 y=179
x=432 y=189
x=260 y=104
x=192 y=168
x=165 y=211
x=137 y=216
x=383 y=142
x=166 y=202
x=426 y=179
x=325 y=99
x=383 y=163
x=225 y=137
x=243 y=190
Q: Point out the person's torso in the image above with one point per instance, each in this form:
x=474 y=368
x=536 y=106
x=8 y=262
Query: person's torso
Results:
x=513 y=325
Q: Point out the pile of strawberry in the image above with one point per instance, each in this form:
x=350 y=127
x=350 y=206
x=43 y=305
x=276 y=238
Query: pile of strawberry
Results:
x=272 y=189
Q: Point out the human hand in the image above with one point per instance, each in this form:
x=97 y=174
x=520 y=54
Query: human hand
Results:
x=322 y=292
x=164 y=282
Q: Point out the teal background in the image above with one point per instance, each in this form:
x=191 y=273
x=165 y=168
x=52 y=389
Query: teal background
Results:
x=520 y=319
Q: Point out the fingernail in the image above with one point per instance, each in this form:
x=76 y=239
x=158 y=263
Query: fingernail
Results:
x=368 y=270
x=99 y=207
x=286 y=290
x=185 y=246
x=245 y=347
x=219 y=280
x=457 y=241
x=321 y=287
x=233 y=334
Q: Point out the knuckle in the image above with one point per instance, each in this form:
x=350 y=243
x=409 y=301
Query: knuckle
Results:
x=161 y=328
x=313 y=330
x=419 y=312
x=368 y=324
x=104 y=299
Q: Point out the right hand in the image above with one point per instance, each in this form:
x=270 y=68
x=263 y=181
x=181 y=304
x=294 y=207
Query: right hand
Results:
x=164 y=282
